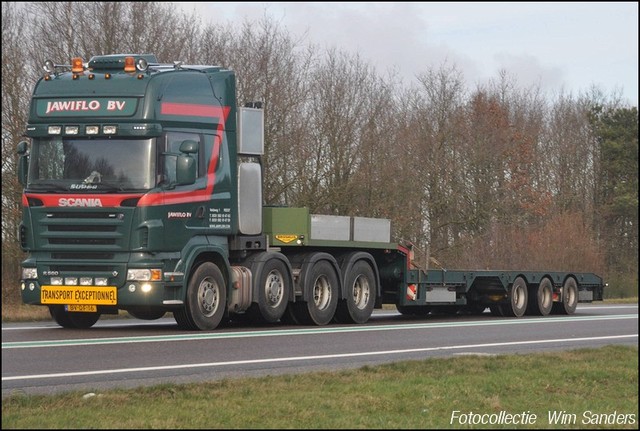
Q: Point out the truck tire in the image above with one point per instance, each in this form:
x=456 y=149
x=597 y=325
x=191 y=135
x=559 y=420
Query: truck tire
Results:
x=518 y=298
x=323 y=292
x=147 y=313
x=74 y=320
x=569 y=299
x=206 y=299
x=541 y=298
x=274 y=288
x=360 y=297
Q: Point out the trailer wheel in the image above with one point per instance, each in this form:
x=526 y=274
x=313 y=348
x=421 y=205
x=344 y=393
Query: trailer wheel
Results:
x=323 y=296
x=206 y=299
x=517 y=299
x=541 y=298
x=361 y=295
x=74 y=320
x=569 y=300
x=273 y=291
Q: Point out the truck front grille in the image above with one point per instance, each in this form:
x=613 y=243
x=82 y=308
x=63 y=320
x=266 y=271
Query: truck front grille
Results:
x=82 y=232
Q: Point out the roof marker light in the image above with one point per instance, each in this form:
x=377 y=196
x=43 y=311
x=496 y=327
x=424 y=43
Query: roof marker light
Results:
x=76 y=65
x=129 y=64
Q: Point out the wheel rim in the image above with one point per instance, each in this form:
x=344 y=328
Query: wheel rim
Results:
x=570 y=296
x=519 y=297
x=546 y=299
x=322 y=293
x=209 y=296
x=274 y=289
x=361 y=292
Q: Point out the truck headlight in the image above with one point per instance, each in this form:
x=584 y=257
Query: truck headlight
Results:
x=29 y=273
x=144 y=274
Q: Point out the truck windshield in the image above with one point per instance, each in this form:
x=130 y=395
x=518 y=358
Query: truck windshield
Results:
x=61 y=164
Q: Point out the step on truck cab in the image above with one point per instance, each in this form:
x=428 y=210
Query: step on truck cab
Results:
x=143 y=192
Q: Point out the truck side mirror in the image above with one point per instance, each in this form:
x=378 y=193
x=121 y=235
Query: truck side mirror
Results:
x=23 y=161
x=189 y=147
x=185 y=170
x=185 y=164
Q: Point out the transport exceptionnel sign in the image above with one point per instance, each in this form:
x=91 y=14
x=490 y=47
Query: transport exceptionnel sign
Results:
x=87 y=107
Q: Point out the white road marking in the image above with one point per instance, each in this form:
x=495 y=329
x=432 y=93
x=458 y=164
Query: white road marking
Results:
x=308 y=358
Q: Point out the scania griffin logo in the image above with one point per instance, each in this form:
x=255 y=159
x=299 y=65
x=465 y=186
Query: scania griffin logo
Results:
x=79 y=202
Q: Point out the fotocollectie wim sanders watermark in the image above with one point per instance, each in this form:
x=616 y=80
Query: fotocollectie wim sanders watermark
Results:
x=551 y=417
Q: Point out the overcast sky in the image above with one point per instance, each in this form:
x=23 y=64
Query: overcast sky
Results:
x=558 y=46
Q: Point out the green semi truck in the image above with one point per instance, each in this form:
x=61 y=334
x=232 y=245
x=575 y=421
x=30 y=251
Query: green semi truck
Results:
x=143 y=192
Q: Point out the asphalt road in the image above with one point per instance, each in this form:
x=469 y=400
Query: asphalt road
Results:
x=42 y=358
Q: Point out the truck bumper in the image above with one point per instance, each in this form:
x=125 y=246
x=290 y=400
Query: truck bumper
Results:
x=132 y=294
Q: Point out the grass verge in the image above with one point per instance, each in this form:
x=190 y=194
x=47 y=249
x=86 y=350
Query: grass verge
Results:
x=586 y=388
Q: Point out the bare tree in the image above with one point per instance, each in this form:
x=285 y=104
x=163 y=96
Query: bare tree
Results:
x=487 y=178
x=436 y=153
x=571 y=154
x=16 y=84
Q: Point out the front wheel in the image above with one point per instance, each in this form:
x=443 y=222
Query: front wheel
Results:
x=73 y=320
x=206 y=299
x=147 y=313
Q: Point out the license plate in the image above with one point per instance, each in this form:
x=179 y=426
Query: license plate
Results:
x=85 y=295
x=81 y=308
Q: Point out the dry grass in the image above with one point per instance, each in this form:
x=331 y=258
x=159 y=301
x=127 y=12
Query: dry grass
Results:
x=24 y=313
